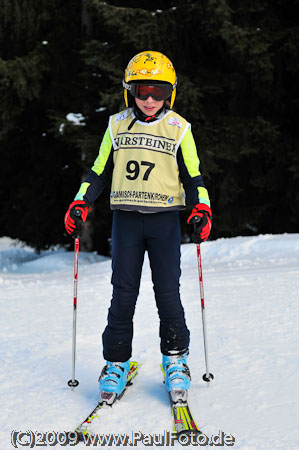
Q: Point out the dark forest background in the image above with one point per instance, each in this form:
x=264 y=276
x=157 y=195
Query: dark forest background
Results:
x=237 y=64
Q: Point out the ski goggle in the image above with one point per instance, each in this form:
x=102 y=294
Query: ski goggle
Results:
x=157 y=91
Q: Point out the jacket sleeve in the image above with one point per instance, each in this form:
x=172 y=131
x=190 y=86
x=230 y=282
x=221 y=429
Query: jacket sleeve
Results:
x=188 y=163
x=99 y=174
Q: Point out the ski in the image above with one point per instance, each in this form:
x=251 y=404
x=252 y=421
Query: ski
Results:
x=106 y=399
x=183 y=421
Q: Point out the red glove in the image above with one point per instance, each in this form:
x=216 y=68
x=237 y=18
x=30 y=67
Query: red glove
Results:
x=201 y=217
x=77 y=210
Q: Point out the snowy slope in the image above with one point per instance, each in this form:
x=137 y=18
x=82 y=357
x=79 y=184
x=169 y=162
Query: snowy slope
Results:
x=252 y=305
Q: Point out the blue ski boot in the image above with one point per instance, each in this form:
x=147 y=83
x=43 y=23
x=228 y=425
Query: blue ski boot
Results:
x=177 y=374
x=114 y=377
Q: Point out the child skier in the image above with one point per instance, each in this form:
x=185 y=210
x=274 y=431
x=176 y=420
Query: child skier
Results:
x=151 y=153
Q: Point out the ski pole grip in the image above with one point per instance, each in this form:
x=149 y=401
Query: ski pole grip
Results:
x=196 y=221
x=77 y=213
x=78 y=222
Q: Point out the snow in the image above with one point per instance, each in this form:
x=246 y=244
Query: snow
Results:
x=76 y=119
x=251 y=294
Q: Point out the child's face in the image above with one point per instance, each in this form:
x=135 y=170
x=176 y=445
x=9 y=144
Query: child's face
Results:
x=150 y=106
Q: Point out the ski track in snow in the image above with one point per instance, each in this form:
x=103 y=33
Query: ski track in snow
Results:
x=251 y=294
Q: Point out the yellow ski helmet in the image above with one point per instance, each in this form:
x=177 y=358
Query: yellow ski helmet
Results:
x=150 y=66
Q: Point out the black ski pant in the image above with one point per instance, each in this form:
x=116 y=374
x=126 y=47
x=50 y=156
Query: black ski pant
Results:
x=159 y=234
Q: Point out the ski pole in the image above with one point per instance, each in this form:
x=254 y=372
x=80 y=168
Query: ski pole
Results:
x=73 y=382
x=207 y=376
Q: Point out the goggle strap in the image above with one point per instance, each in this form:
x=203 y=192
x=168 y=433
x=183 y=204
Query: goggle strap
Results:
x=128 y=86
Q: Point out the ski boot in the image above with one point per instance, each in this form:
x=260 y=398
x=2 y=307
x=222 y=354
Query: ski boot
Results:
x=113 y=380
x=177 y=376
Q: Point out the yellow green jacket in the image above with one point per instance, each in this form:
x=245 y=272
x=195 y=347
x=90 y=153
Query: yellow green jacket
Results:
x=154 y=166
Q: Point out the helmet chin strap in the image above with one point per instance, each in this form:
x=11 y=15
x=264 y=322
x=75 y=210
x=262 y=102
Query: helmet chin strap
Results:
x=143 y=117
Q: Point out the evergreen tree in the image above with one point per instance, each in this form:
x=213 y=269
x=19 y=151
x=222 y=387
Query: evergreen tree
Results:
x=39 y=63
x=237 y=66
